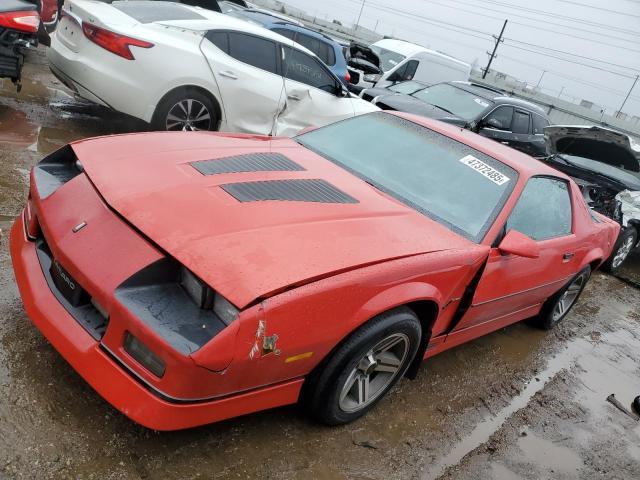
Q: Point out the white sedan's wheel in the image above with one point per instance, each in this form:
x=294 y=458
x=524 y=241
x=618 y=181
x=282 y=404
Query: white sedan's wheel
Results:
x=188 y=115
x=186 y=110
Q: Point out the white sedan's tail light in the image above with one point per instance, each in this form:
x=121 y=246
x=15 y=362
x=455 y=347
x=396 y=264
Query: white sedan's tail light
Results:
x=113 y=42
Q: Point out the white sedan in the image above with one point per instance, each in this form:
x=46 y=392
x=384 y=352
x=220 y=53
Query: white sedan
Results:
x=186 y=68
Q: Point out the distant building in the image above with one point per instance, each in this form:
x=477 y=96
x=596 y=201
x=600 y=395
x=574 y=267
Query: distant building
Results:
x=586 y=104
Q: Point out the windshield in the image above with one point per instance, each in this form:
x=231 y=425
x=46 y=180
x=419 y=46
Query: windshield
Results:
x=454 y=100
x=446 y=180
x=619 y=174
x=407 y=87
x=388 y=59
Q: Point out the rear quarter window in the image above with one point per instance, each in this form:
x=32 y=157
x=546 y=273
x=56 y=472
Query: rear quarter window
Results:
x=255 y=51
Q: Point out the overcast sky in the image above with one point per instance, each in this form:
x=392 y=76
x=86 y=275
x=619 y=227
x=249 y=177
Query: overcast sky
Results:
x=610 y=38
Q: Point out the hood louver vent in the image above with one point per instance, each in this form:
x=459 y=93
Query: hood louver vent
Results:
x=252 y=162
x=318 y=191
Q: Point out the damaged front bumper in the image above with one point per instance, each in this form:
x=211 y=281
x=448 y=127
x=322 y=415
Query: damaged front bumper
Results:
x=104 y=373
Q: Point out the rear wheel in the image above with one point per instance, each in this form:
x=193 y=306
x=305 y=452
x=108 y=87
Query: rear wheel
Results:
x=364 y=368
x=186 y=110
x=623 y=247
x=558 y=306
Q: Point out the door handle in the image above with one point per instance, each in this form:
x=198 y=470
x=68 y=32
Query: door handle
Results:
x=568 y=256
x=293 y=96
x=228 y=74
x=505 y=143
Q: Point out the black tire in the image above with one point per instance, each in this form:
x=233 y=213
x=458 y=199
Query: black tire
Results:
x=549 y=316
x=322 y=393
x=177 y=103
x=620 y=252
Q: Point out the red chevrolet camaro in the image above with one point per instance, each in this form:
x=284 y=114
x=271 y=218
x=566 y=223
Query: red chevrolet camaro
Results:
x=191 y=278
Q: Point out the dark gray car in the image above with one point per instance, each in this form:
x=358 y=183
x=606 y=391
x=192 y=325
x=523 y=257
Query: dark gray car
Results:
x=489 y=112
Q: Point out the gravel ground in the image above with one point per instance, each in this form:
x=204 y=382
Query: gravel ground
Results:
x=517 y=404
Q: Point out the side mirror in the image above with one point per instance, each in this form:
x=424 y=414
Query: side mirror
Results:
x=516 y=243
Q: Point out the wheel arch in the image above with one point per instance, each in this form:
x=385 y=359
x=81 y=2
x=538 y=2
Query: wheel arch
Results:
x=204 y=91
x=594 y=259
x=422 y=299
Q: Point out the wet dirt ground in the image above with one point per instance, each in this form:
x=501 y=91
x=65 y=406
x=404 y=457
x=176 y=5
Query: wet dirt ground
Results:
x=517 y=404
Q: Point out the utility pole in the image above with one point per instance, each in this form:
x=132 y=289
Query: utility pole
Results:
x=627 y=97
x=360 y=14
x=540 y=79
x=561 y=90
x=493 y=54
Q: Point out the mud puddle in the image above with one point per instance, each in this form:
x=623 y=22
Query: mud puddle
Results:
x=561 y=425
x=488 y=426
x=16 y=130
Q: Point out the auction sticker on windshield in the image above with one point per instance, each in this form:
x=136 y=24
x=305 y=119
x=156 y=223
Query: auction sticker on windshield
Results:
x=482 y=168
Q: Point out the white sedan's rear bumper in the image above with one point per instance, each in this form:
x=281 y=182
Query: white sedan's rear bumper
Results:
x=100 y=78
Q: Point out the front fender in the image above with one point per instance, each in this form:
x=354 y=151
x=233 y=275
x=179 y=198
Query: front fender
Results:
x=399 y=295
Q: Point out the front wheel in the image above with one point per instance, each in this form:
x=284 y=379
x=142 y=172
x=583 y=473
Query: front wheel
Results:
x=623 y=247
x=187 y=110
x=557 y=307
x=364 y=368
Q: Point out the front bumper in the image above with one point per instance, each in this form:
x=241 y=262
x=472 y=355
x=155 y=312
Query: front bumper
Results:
x=113 y=383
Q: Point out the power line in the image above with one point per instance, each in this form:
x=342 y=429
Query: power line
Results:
x=563 y=17
x=573 y=54
x=463 y=30
x=568 y=77
x=537 y=27
x=466 y=31
x=411 y=15
x=570 y=61
x=617 y=12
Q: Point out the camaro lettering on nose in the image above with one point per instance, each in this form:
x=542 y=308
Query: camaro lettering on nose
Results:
x=64 y=276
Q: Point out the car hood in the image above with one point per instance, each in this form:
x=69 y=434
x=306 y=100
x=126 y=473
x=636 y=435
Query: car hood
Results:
x=248 y=250
x=596 y=143
x=409 y=104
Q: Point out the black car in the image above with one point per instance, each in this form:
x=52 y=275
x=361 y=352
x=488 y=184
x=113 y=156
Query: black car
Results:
x=482 y=109
x=405 y=88
x=606 y=166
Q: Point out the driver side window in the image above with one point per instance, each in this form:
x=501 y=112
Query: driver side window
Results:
x=500 y=118
x=543 y=210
